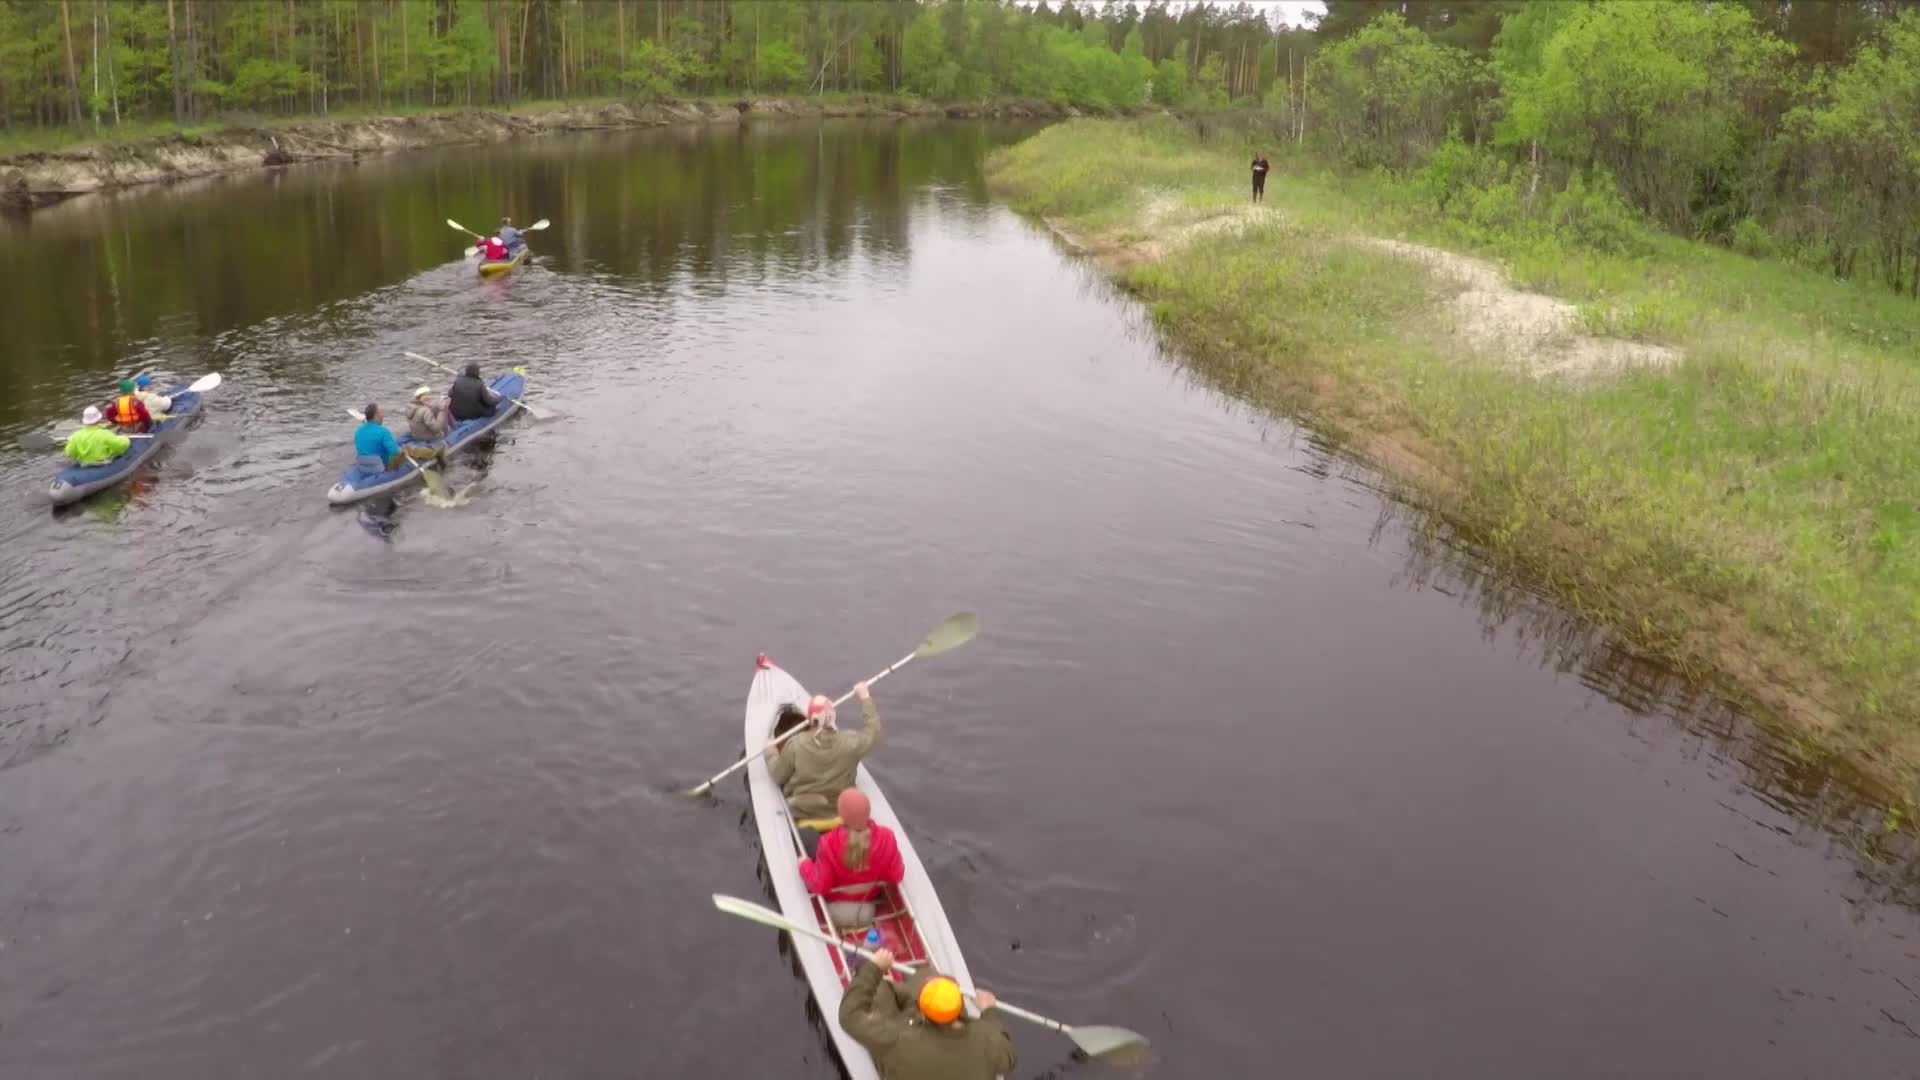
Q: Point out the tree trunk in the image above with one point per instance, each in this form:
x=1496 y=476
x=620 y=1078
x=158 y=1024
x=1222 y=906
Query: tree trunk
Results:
x=113 y=66
x=173 y=61
x=73 y=75
x=96 y=65
x=406 y=67
x=193 y=63
x=526 y=19
x=503 y=53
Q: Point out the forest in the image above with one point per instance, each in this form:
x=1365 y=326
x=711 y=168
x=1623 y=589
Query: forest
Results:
x=1785 y=128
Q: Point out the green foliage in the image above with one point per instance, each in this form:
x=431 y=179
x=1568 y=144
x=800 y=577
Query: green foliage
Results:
x=1208 y=90
x=923 y=55
x=1170 y=81
x=780 y=66
x=1661 y=94
x=1860 y=141
x=1386 y=94
x=651 y=72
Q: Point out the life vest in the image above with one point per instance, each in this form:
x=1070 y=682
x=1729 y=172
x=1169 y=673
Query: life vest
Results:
x=496 y=250
x=123 y=412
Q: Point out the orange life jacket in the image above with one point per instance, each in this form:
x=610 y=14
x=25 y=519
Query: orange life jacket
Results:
x=123 y=412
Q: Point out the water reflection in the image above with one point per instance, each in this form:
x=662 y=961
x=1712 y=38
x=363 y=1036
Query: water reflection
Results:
x=104 y=284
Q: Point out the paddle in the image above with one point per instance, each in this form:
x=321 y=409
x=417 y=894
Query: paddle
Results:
x=956 y=631
x=531 y=411
x=1092 y=1040
x=475 y=251
x=38 y=440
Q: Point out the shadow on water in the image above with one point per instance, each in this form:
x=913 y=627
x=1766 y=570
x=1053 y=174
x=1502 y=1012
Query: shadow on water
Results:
x=1826 y=795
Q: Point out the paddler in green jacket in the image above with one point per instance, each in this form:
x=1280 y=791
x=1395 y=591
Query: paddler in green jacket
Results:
x=815 y=766
x=916 y=1030
x=96 y=443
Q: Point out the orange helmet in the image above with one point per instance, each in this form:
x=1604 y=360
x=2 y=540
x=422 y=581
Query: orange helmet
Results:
x=940 y=1000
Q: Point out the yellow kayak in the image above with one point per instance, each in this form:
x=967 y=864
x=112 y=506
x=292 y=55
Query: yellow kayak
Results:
x=495 y=269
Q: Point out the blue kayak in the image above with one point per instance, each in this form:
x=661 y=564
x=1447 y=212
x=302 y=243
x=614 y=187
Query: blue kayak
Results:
x=76 y=482
x=356 y=483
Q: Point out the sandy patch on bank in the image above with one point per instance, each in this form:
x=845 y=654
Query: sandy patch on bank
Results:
x=1538 y=333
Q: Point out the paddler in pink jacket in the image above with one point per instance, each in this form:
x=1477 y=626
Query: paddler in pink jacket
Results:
x=856 y=853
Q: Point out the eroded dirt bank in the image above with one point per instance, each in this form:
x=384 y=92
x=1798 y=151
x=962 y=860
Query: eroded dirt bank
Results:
x=41 y=178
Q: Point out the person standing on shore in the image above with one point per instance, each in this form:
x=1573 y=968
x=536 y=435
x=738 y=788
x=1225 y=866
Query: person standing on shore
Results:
x=1259 y=176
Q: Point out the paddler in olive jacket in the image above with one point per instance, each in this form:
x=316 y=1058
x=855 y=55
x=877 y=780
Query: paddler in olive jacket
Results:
x=917 y=1031
x=815 y=766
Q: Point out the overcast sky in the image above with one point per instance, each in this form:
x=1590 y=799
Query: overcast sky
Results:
x=1300 y=12
x=1297 y=12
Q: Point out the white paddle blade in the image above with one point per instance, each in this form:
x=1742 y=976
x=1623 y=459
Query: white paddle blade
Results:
x=1115 y=1045
x=752 y=912
x=956 y=631
x=205 y=383
x=538 y=225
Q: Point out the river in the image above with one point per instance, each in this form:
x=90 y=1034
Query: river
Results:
x=1246 y=757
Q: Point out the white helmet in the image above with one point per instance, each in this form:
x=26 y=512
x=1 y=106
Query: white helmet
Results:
x=91 y=416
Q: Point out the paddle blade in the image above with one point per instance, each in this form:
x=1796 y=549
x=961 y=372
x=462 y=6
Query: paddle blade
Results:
x=40 y=440
x=1115 y=1045
x=951 y=634
x=205 y=383
x=461 y=227
x=538 y=225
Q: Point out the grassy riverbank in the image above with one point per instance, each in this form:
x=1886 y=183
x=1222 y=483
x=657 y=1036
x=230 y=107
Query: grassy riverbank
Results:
x=1736 y=487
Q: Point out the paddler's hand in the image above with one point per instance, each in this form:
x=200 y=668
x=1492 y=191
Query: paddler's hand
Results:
x=984 y=998
x=883 y=959
x=860 y=691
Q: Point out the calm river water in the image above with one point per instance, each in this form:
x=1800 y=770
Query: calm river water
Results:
x=1243 y=758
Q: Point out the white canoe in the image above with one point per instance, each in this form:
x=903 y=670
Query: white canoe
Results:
x=910 y=917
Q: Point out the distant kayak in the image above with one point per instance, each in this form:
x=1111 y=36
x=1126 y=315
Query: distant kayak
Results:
x=501 y=266
x=356 y=483
x=76 y=482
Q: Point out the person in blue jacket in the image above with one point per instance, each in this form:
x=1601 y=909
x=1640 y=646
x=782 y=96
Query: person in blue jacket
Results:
x=510 y=236
x=375 y=448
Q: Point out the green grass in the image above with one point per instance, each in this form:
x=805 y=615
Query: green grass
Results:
x=1752 y=513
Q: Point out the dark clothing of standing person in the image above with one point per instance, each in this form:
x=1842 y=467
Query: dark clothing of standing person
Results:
x=1259 y=178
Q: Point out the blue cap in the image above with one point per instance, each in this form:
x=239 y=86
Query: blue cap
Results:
x=141 y=381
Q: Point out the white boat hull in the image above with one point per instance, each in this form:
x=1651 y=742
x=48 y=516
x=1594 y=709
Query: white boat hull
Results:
x=771 y=689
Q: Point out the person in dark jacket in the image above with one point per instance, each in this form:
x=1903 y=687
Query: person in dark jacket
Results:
x=1259 y=177
x=469 y=398
x=918 y=1030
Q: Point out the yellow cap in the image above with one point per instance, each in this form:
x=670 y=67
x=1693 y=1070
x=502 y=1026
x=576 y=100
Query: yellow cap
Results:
x=423 y=391
x=940 y=1000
